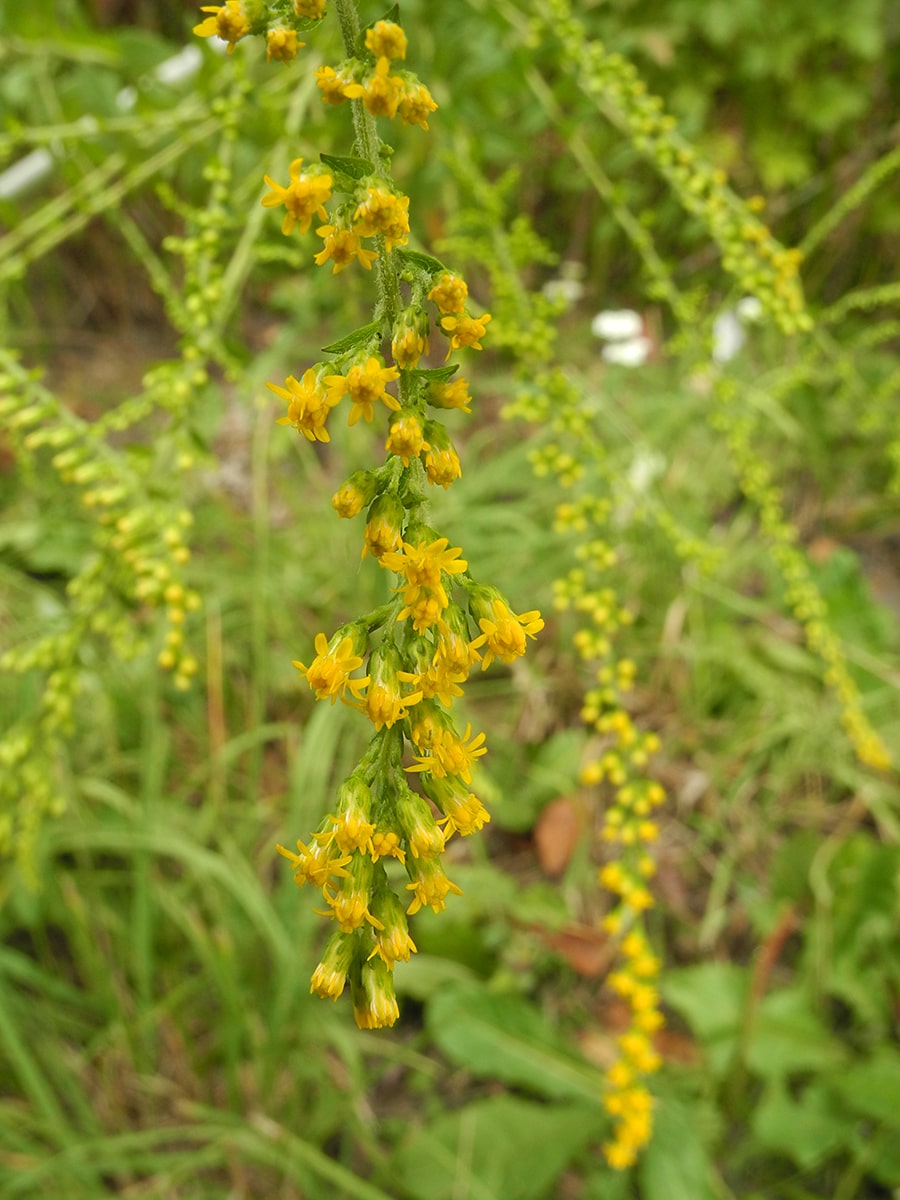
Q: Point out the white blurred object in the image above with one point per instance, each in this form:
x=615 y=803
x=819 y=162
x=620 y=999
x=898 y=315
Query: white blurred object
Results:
x=631 y=353
x=617 y=324
x=646 y=467
x=569 y=290
x=728 y=328
x=36 y=166
x=23 y=174
x=728 y=336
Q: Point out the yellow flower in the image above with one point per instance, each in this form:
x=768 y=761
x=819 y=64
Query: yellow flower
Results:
x=429 y=884
x=416 y=105
x=304 y=197
x=451 y=395
x=384 y=704
x=282 y=45
x=465 y=331
x=353 y=496
x=383 y=212
x=424 y=836
x=386 y=40
x=313 y=9
x=329 y=673
x=374 y=1002
x=386 y=844
x=331 y=85
x=504 y=633
x=449 y=293
x=423 y=566
x=383 y=526
x=365 y=383
x=314 y=864
x=330 y=976
x=229 y=22
x=392 y=942
x=463 y=811
x=308 y=405
x=451 y=755
x=406 y=438
x=342 y=246
x=409 y=338
x=381 y=93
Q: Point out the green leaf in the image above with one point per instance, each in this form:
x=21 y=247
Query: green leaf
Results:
x=423 y=262
x=805 y=1131
x=675 y=1165
x=493 y=1150
x=359 y=337
x=436 y=374
x=354 y=168
x=788 y=1038
x=504 y=1037
x=872 y=1087
x=711 y=997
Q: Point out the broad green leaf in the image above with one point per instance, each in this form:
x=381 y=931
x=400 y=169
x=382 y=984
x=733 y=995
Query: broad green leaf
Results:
x=872 y=1087
x=787 y=1037
x=711 y=997
x=505 y=1037
x=805 y=1131
x=498 y=1149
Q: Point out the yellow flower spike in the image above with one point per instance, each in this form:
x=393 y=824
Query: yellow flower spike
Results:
x=329 y=673
x=228 y=22
x=365 y=384
x=304 y=197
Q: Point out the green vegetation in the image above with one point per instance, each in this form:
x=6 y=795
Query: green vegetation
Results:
x=710 y=534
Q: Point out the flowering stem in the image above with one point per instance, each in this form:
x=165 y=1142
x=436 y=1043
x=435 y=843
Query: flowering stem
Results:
x=370 y=146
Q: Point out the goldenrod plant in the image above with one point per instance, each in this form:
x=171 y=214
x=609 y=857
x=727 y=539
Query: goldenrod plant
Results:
x=283 y=601
x=403 y=664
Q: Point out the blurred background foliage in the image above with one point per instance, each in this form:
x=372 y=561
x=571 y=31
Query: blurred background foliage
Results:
x=156 y=1033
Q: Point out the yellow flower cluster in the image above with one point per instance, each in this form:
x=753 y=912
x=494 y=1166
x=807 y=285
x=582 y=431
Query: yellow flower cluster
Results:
x=403 y=665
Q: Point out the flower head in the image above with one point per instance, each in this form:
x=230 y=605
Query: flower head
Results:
x=331 y=84
x=305 y=195
x=329 y=672
x=374 y=1000
x=229 y=22
x=384 y=703
x=383 y=212
x=381 y=93
x=315 y=864
x=353 y=496
x=406 y=438
x=450 y=293
x=465 y=331
x=416 y=104
x=314 y=10
x=386 y=40
x=308 y=405
x=429 y=884
x=502 y=632
x=365 y=383
x=282 y=45
x=342 y=246
x=451 y=395
x=392 y=941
